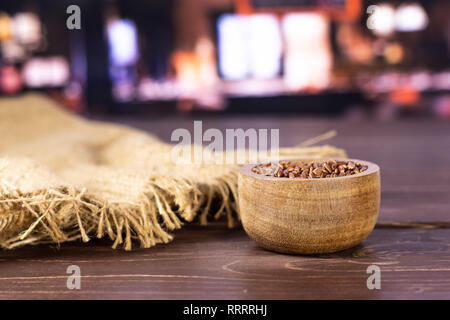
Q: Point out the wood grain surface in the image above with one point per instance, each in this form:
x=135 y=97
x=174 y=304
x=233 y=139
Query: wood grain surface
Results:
x=217 y=263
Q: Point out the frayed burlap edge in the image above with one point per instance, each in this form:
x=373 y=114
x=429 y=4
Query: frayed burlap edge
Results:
x=62 y=214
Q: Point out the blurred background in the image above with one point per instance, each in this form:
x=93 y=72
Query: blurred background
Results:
x=331 y=58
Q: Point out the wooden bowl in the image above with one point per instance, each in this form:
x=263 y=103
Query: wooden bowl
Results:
x=309 y=216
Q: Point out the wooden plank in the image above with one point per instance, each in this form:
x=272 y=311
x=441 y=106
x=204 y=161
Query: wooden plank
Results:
x=217 y=263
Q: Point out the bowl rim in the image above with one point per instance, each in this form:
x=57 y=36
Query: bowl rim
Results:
x=372 y=168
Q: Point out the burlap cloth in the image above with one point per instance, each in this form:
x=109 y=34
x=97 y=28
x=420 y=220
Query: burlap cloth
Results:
x=64 y=178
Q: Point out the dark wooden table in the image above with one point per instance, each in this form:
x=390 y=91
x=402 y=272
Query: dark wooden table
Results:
x=218 y=263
